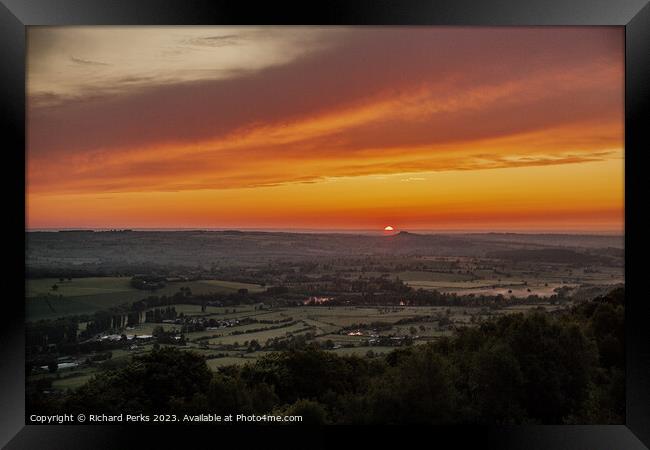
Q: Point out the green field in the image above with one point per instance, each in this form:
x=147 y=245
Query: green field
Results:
x=260 y=336
x=79 y=286
x=71 y=382
x=434 y=276
x=87 y=295
x=363 y=351
x=232 y=285
x=453 y=285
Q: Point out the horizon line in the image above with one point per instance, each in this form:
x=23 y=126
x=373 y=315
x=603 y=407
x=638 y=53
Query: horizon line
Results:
x=334 y=230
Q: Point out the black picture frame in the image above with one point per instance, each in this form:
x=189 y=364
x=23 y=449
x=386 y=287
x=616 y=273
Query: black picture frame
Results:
x=634 y=15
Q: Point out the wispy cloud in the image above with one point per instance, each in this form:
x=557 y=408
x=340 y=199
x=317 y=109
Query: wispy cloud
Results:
x=104 y=56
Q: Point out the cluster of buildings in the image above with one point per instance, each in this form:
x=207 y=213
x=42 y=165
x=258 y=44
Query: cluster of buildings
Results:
x=129 y=337
x=317 y=300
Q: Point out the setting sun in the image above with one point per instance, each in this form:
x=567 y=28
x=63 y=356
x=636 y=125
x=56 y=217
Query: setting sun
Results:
x=388 y=228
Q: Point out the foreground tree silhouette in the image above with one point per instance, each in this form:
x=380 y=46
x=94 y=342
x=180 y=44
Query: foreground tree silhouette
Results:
x=147 y=384
x=417 y=390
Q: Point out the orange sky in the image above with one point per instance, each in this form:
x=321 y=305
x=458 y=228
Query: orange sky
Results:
x=301 y=127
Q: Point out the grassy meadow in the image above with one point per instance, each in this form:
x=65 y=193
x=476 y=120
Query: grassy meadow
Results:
x=88 y=295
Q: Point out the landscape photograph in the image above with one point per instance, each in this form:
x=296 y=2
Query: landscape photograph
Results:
x=325 y=225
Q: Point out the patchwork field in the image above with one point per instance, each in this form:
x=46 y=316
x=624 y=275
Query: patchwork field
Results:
x=519 y=281
x=223 y=348
x=305 y=266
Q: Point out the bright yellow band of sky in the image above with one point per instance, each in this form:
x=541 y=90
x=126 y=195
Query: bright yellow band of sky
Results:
x=552 y=198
